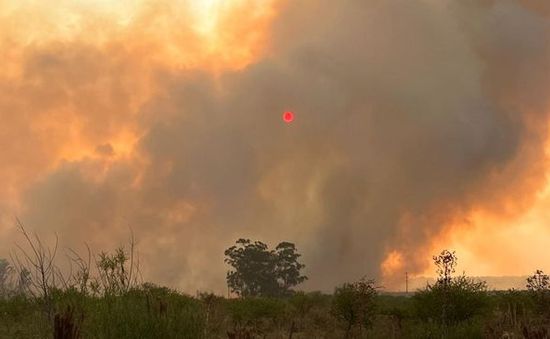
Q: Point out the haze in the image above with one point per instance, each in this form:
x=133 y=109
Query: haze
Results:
x=420 y=125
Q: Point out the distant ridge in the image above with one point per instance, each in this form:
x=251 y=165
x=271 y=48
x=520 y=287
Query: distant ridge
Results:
x=493 y=283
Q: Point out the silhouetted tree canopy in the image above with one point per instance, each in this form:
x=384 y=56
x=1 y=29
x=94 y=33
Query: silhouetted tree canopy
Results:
x=445 y=262
x=259 y=271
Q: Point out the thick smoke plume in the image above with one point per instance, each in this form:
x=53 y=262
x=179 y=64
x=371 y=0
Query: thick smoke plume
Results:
x=410 y=116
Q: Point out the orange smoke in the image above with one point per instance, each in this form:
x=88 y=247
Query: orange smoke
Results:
x=392 y=264
x=493 y=241
x=79 y=72
x=491 y=235
x=151 y=110
x=231 y=41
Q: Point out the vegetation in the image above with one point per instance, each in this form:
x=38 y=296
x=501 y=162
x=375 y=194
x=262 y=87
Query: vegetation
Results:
x=451 y=300
x=104 y=297
x=355 y=304
x=258 y=271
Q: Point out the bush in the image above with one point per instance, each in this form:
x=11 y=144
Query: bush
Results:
x=471 y=329
x=458 y=300
x=21 y=317
x=538 y=286
x=144 y=312
x=254 y=316
x=355 y=304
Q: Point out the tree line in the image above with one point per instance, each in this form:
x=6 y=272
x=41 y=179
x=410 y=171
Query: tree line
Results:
x=105 y=294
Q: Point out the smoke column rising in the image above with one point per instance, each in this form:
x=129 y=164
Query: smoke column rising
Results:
x=412 y=117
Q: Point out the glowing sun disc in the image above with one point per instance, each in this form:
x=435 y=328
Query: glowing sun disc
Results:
x=288 y=117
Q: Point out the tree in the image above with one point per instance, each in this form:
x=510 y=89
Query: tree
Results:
x=538 y=282
x=538 y=286
x=259 y=271
x=445 y=262
x=451 y=299
x=288 y=267
x=354 y=303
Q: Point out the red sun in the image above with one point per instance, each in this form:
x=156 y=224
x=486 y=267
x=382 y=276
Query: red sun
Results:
x=288 y=117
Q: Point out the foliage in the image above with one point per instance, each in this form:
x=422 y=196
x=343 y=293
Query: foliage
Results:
x=6 y=273
x=255 y=315
x=354 y=303
x=450 y=300
x=302 y=303
x=470 y=329
x=445 y=264
x=214 y=312
x=145 y=311
x=538 y=286
x=116 y=272
x=150 y=311
x=287 y=267
x=106 y=301
x=513 y=315
x=259 y=271
x=538 y=282
x=460 y=299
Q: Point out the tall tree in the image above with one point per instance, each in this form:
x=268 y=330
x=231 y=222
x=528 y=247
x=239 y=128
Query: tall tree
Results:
x=259 y=271
x=288 y=267
x=445 y=262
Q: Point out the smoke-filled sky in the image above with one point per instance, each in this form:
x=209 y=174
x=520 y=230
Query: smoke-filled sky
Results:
x=420 y=125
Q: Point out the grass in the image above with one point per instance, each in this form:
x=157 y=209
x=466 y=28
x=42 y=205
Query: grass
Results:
x=155 y=312
x=112 y=304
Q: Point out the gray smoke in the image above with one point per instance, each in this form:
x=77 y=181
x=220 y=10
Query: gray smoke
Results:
x=408 y=115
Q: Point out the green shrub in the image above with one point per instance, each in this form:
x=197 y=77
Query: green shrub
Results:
x=354 y=304
x=247 y=311
x=18 y=318
x=451 y=302
x=471 y=329
x=146 y=312
x=538 y=286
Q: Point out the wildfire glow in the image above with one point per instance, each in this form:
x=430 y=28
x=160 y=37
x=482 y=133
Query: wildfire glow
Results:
x=131 y=42
x=133 y=94
x=392 y=264
x=206 y=14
